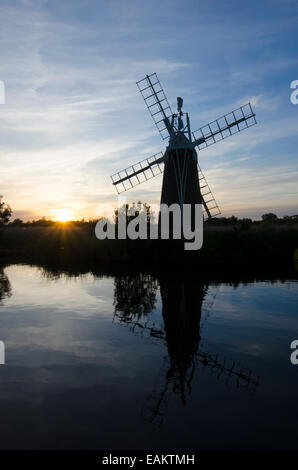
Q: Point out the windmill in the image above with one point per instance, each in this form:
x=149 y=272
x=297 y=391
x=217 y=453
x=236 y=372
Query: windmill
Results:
x=183 y=180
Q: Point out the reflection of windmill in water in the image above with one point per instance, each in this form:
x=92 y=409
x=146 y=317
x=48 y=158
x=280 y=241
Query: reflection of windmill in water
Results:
x=185 y=308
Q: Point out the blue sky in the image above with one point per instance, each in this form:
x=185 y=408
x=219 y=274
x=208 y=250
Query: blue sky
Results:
x=73 y=115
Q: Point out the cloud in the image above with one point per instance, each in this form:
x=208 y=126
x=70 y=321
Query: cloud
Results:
x=260 y=70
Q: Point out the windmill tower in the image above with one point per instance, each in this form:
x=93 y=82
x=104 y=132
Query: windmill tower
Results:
x=183 y=180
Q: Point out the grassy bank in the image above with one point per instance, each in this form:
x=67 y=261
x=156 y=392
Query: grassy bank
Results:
x=72 y=244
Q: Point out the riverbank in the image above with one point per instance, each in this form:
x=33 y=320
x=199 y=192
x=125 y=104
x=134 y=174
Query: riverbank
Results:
x=223 y=246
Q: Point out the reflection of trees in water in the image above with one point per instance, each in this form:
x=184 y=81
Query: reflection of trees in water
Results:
x=185 y=308
x=5 y=286
x=54 y=274
x=134 y=296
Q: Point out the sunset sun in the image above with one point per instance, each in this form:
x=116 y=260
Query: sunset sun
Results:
x=62 y=215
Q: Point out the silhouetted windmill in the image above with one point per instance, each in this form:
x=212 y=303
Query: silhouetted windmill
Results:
x=183 y=181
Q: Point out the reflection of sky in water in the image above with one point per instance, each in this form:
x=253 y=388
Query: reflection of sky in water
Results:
x=75 y=377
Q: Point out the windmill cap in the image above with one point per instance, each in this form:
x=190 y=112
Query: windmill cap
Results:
x=179 y=103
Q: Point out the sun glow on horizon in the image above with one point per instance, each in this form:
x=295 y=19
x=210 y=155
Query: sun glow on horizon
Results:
x=62 y=215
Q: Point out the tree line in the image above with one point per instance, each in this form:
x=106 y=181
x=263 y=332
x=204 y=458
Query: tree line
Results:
x=266 y=219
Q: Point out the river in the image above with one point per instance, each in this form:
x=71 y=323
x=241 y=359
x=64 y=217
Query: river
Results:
x=142 y=361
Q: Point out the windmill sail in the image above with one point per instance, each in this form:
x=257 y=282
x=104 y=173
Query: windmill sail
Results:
x=210 y=205
x=156 y=102
x=229 y=124
x=138 y=173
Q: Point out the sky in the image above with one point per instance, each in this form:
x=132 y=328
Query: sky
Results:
x=73 y=115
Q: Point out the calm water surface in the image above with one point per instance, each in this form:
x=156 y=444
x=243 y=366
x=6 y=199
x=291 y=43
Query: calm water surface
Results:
x=144 y=362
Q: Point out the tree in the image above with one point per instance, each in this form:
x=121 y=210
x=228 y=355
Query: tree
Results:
x=269 y=217
x=16 y=223
x=245 y=223
x=5 y=212
x=233 y=220
x=132 y=210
